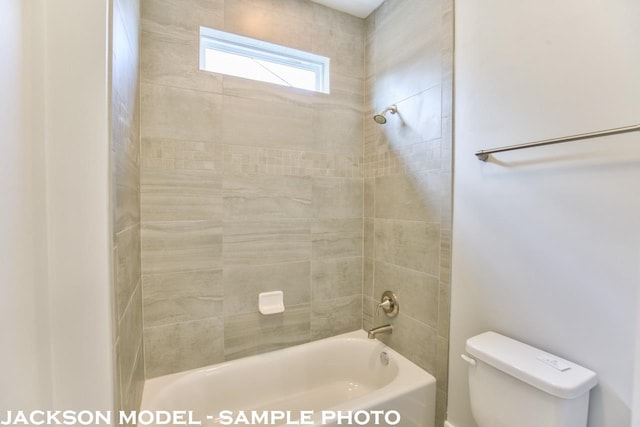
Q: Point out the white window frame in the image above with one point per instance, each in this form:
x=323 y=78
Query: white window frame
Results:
x=271 y=52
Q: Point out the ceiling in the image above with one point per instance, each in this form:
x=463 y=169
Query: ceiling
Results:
x=359 y=8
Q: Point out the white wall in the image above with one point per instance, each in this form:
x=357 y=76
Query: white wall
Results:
x=546 y=240
x=635 y=420
x=24 y=359
x=78 y=201
x=55 y=231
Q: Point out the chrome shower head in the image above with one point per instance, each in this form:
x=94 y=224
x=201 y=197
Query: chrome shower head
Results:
x=381 y=117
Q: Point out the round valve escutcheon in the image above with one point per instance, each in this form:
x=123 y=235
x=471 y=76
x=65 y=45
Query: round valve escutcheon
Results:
x=389 y=304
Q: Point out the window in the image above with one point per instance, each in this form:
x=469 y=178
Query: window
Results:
x=241 y=56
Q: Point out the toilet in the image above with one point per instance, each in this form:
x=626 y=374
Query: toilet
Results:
x=512 y=384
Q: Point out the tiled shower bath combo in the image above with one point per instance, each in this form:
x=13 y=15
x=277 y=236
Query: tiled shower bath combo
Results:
x=247 y=187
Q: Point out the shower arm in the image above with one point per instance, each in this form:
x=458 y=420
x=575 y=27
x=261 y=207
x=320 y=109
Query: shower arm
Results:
x=393 y=109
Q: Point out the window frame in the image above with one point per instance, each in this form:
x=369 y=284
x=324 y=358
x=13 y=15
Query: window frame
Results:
x=258 y=49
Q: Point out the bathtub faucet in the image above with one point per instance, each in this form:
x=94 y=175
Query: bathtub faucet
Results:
x=384 y=329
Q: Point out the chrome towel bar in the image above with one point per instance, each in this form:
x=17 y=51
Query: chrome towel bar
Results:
x=484 y=154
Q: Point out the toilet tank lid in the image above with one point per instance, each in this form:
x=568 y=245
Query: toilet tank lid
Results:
x=552 y=374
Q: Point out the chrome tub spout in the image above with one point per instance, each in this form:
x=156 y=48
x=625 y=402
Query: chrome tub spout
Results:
x=384 y=329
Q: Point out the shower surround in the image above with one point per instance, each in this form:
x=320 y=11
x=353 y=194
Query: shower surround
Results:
x=407 y=197
x=125 y=169
x=249 y=187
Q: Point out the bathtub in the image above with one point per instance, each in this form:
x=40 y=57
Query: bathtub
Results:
x=342 y=380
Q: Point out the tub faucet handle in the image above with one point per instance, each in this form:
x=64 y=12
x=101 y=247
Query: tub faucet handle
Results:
x=385 y=305
x=389 y=304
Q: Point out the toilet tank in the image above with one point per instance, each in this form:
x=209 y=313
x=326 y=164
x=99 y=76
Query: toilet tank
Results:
x=515 y=384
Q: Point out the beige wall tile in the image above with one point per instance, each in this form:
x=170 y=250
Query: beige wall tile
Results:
x=183 y=346
x=169 y=112
x=171 y=62
x=368 y=313
x=266 y=242
x=447 y=204
x=182 y=297
x=181 y=18
x=369 y=197
x=369 y=238
x=397 y=79
x=268 y=92
x=336 y=278
x=282 y=151
x=447 y=146
x=125 y=161
x=374 y=138
x=125 y=63
x=337 y=197
x=418 y=119
x=125 y=175
x=284 y=22
x=327 y=19
x=442 y=361
x=261 y=197
x=130 y=337
x=343 y=47
x=132 y=389
x=410 y=244
x=345 y=92
x=417 y=292
x=242 y=284
x=410 y=157
x=444 y=309
x=403 y=72
x=336 y=238
x=127 y=259
x=337 y=130
x=441 y=407
x=413 y=339
x=368 y=275
x=266 y=124
x=447 y=91
x=409 y=196
x=252 y=333
x=180 y=195
x=445 y=255
x=126 y=206
x=181 y=246
x=265 y=161
x=336 y=316
x=175 y=154
x=447 y=27
x=117 y=375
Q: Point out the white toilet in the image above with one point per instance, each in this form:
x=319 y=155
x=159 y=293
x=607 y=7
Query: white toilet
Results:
x=512 y=384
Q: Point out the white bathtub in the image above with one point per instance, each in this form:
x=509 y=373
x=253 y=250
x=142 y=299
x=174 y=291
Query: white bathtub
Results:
x=338 y=376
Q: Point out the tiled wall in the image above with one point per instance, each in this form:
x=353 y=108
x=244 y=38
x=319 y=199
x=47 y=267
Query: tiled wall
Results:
x=407 y=197
x=125 y=160
x=248 y=187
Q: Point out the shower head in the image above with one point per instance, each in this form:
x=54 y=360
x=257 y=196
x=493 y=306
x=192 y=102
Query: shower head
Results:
x=381 y=118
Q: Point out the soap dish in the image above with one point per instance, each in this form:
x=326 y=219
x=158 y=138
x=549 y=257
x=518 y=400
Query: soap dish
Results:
x=271 y=302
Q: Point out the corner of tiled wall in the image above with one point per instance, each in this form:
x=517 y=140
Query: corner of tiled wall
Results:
x=408 y=179
x=125 y=161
